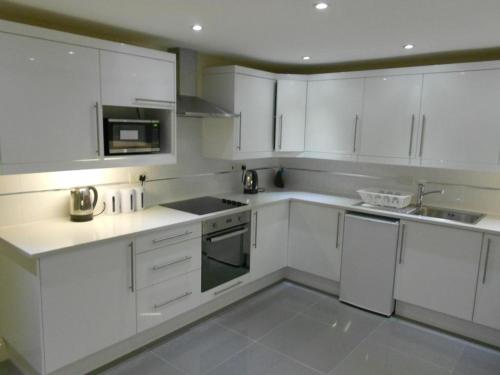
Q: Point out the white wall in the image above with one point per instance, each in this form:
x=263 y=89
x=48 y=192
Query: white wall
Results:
x=40 y=196
x=467 y=190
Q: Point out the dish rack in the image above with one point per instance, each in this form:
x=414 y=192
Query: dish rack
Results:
x=385 y=198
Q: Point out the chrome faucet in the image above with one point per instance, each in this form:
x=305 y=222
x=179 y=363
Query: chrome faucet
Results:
x=421 y=193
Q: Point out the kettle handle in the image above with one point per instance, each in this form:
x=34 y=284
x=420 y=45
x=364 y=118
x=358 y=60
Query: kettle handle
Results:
x=96 y=195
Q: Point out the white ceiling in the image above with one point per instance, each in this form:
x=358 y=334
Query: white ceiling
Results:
x=282 y=31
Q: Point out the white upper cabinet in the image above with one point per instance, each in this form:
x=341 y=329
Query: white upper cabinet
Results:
x=333 y=114
x=129 y=80
x=49 y=95
x=390 y=119
x=460 y=118
x=437 y=268
x=269 y=239
x=487 y=311
x=250 y=95
x=291 y=98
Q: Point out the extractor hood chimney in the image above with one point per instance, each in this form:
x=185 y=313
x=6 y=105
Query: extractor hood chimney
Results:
x=188 y=104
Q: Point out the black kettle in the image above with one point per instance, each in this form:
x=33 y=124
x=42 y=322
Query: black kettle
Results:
x=250 y=182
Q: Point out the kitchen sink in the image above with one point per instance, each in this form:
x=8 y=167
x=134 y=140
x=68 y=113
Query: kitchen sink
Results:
x=444 y=213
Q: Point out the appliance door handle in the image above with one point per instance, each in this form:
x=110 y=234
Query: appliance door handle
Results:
x=488 y=247
x=256 y=229
x=158 y=240
x=98 y=138
x=239 y=131
x=355 y=133
x=163 y=304
x=281 y=131
x=422 y=134
x=401 y=243
x=166 y=103
x=412 y=127
x=226 y=236
x=177 y=261
x=339 y=216
x=132 y=266
x=226 y=289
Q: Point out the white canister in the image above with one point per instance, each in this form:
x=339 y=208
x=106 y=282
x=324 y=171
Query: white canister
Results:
x=127 y=199
x=112 y=200
x=139 y=198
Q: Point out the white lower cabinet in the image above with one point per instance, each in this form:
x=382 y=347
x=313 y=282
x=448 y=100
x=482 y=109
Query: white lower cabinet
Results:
x=437 y=268
x=315 y=239
x=269 y=239
x=88 y=301
x=222 y=289
x=164 y=301
x=487 y=310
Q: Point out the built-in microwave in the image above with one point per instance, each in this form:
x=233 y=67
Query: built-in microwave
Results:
x=123 y=136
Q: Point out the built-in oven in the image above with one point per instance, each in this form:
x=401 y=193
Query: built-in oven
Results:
x=225 y=249
x=124 y=136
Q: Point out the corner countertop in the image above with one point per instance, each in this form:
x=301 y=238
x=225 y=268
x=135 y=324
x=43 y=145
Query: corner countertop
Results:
x=41 y=238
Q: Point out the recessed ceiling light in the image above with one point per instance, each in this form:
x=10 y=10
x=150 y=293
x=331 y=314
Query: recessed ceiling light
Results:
x=408 y=46
x=306 y=58
x=321 y=6
x=71 y=52
x=197 y=27
x=31 y=59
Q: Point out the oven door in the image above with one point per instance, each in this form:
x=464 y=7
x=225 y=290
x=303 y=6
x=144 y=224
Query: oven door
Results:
x=225 y=256
x=131 y=137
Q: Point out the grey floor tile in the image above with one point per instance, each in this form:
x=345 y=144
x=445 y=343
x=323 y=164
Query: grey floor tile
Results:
x=201 y=348
x=259 y=360
x=434 y=347
x=8 y=368
x=477 y=360
x=376 y=359
x=313 y=343
x=255 y=317
x=144 y=364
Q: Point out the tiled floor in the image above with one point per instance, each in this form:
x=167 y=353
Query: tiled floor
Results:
x=291 y=330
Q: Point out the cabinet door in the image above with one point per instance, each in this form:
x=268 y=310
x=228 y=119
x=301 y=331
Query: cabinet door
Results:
x=391 y=113
x=460 y=117
x=48 y=101
x=437 y=268
x=315 y=241
x=254 y=100
x=87 y=301
x=129 y=80
x=333 y=110
x=487 y=311
x=290 y=115
x=269 y=240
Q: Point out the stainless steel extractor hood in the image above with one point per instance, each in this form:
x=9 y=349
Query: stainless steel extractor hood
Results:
x=188 y=104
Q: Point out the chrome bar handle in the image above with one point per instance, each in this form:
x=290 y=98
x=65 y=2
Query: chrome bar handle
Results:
x=226 y=289
x=355 y=132
x=163 y=304
x=239 y=132
x=158 y=240
x=228 y=235
x=132 y=266
x=98 y=138
x=281 y=131
x=256 y=226
x=412 y=128
x=182 y=260
x=401 y=243
x=488 y=246
x=339 y=216
x=422 y=133
x=147 y=100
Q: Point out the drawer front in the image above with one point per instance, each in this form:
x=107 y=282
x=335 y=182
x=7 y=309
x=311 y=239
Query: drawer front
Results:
x=165 y=237
x=167 y=262
x=166 y=300
x=224 y=288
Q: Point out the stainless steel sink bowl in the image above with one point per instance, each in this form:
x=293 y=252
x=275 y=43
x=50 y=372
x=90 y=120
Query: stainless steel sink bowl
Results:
x=453 y=215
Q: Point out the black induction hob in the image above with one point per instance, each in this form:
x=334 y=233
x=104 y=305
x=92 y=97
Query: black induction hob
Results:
x=203 y=205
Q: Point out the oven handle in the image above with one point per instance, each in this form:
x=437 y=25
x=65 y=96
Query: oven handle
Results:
x=226 y=236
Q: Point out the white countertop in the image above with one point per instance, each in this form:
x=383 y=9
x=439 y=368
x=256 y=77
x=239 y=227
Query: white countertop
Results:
x=41 y=238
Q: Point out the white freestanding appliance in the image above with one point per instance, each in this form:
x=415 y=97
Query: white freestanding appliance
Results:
x=369 y=262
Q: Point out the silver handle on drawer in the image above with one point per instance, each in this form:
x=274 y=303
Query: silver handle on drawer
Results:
x=226 y=236
x=163 y=304
x=239 y=132
x=422 y=133
x=401 y=243
x=161 y=266
x=355 y=132
x=98 y=138
x=132 y=266
x=256 y=226
x=339 y=216
x=226 y=289
x=162 y=102
x=488 y=246
x=412 y=128
x=281 y=132
x=158 y=240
